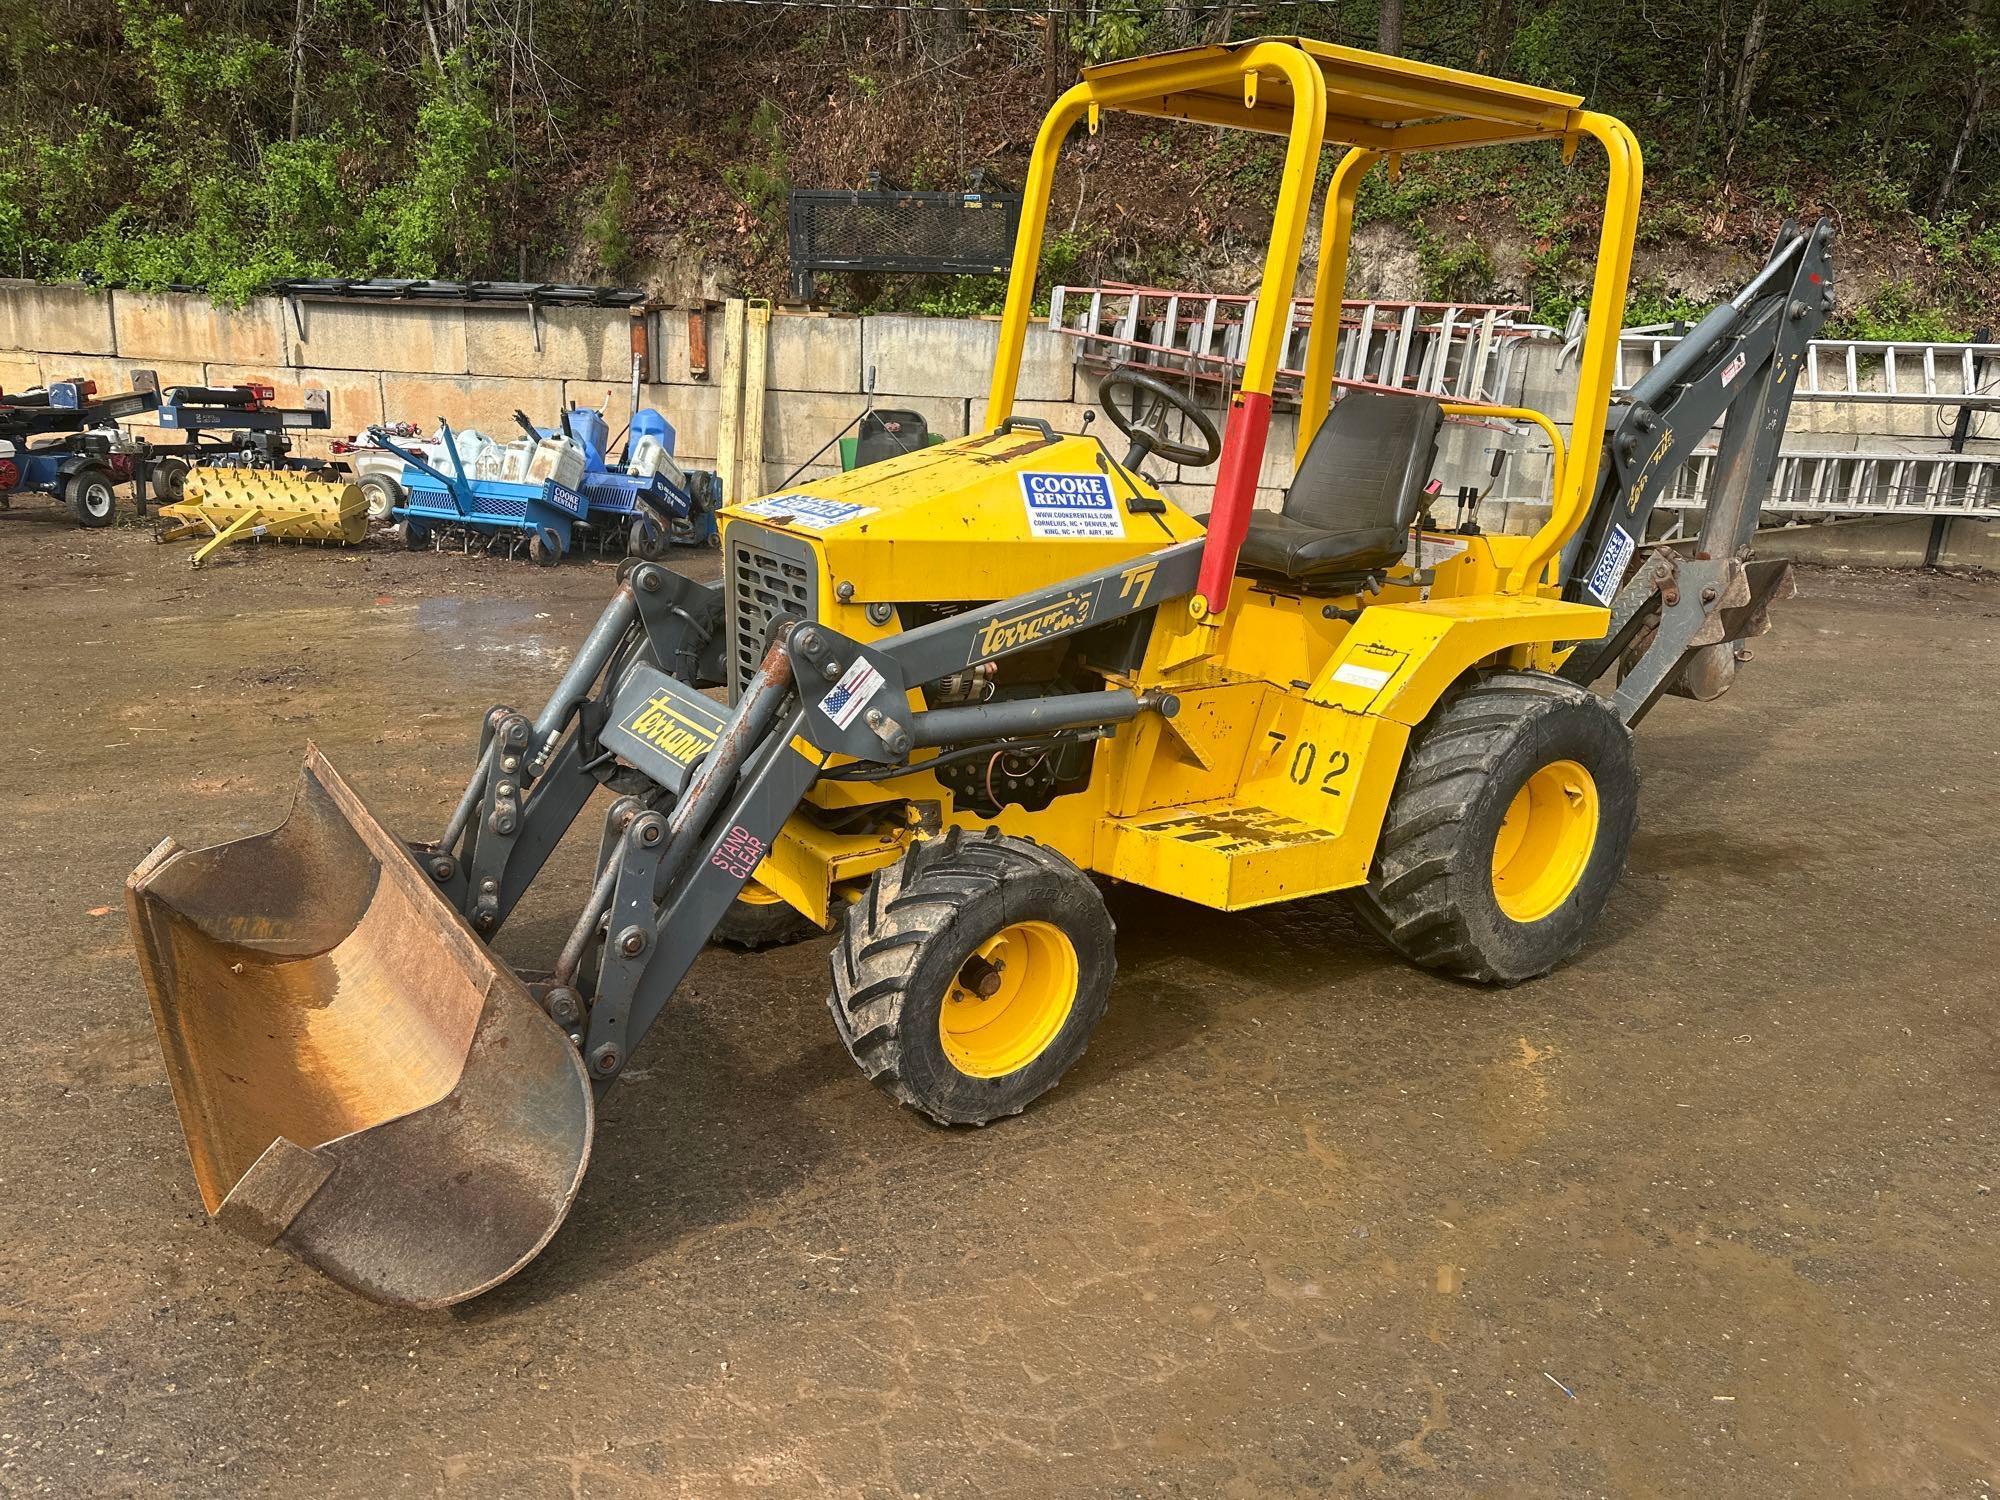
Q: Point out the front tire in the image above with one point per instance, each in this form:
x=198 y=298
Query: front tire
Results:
x=91 y=498
x=646 y=540
x=1507 y=830
x=545 y=548
x=970 y=978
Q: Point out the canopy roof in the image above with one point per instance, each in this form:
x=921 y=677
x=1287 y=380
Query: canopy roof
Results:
x=1387 y=104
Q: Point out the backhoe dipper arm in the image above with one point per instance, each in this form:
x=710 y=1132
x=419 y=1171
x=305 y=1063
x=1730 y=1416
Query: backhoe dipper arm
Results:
x=1676 y=620
x=1738 y=365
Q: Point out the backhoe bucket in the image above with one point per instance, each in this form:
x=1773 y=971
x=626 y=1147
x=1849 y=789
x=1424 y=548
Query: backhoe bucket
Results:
x=360 y=1080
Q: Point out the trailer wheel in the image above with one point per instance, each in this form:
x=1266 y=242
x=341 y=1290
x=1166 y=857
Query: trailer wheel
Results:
x=90 y=496
x=170 y=480
x=972 y=974
x=646 y=540
x=416 y=536
x=1507 y=830
x=545 y=548
x=758 y=919
x=383 y=495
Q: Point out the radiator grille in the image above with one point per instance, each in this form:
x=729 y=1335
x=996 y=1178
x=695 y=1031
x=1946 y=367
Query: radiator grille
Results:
x=770 y=575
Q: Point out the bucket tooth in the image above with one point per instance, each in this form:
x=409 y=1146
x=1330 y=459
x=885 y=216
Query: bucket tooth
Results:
x=360 y=1080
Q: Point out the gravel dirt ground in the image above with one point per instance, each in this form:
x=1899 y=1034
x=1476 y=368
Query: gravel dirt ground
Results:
x=1709 y=1211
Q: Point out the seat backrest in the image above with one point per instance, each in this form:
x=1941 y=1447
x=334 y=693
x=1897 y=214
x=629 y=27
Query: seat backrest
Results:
x=888 y=433
x=1368 y=463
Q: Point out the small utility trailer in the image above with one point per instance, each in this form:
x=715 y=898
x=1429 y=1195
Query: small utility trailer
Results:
x=84 y=455
x=230 y=424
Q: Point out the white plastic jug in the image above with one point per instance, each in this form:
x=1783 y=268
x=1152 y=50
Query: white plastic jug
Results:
x=558 y=458
x=520 y=453
x=646 y=455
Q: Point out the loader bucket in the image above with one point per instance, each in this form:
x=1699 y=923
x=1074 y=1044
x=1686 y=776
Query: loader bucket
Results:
x=360 y=1080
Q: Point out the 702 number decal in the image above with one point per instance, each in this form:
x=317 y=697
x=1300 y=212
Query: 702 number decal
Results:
x=1310 y=761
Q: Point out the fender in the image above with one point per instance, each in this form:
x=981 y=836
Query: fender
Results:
x=1400 y=659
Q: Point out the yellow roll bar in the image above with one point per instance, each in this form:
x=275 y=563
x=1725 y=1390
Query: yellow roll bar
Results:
x=1379 y=108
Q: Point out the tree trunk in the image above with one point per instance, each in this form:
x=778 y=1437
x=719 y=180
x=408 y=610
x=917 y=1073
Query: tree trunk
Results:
x=1053 y=49
x=1389 y=29
x=298 y=64
x=1498 y=39
x=1975 y=106
x=1749 y=63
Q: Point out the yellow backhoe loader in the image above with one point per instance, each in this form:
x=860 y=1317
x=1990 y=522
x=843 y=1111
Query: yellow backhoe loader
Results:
x=964 y=682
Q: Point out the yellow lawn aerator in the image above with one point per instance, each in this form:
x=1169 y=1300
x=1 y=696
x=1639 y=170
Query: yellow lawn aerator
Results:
x=964 y=682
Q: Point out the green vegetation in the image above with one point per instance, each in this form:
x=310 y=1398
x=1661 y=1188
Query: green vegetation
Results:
x=226 y=143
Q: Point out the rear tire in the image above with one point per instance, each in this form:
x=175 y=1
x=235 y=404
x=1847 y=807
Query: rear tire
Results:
x=969 y=979
x=91 y=497
x=170 y=480
x=545 y=549
x=384 y=495
x=757 y=920
x=1507 y=830
x=415 y=535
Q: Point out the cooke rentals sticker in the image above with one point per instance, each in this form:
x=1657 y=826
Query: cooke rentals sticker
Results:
x=809 y=512
x=673 y=725
x=1069 y=506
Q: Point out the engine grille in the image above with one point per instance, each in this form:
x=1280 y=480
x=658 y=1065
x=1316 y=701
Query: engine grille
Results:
x=769 y=575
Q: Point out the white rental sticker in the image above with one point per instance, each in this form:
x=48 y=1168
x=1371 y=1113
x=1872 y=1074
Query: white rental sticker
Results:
x=1610 y=570
x=1355 y=675
x=809 y=511
x=851 y=694
x=1071 y=506
x=1734 y=368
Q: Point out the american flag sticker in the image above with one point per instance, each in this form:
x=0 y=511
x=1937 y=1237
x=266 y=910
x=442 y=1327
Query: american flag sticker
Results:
x=851 y=694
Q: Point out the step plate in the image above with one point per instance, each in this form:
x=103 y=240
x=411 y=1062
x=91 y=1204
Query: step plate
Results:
x=1226 y=855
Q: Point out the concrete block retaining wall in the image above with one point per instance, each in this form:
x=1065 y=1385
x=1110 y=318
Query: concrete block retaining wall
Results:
x=476 y=365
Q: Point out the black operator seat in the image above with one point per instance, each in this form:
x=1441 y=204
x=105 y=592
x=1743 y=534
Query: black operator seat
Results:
x=1352 y=502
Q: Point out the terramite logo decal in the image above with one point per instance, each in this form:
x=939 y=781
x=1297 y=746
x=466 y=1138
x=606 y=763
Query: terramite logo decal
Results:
x=1012 y=632
x=674 y=728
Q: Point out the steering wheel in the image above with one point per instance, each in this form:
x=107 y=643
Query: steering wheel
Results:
x=1141 y=415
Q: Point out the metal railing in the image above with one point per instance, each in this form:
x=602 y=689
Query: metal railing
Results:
x=1459 y=351
x=1860 y=370
x=1863 y=484
x=1960 y=382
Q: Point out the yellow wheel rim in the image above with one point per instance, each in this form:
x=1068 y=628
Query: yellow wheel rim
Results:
x=754 y=894
x=1009 y=999
x=1545 y=841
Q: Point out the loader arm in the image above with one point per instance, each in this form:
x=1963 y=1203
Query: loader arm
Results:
x=705 y=802
x=1675 y=619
